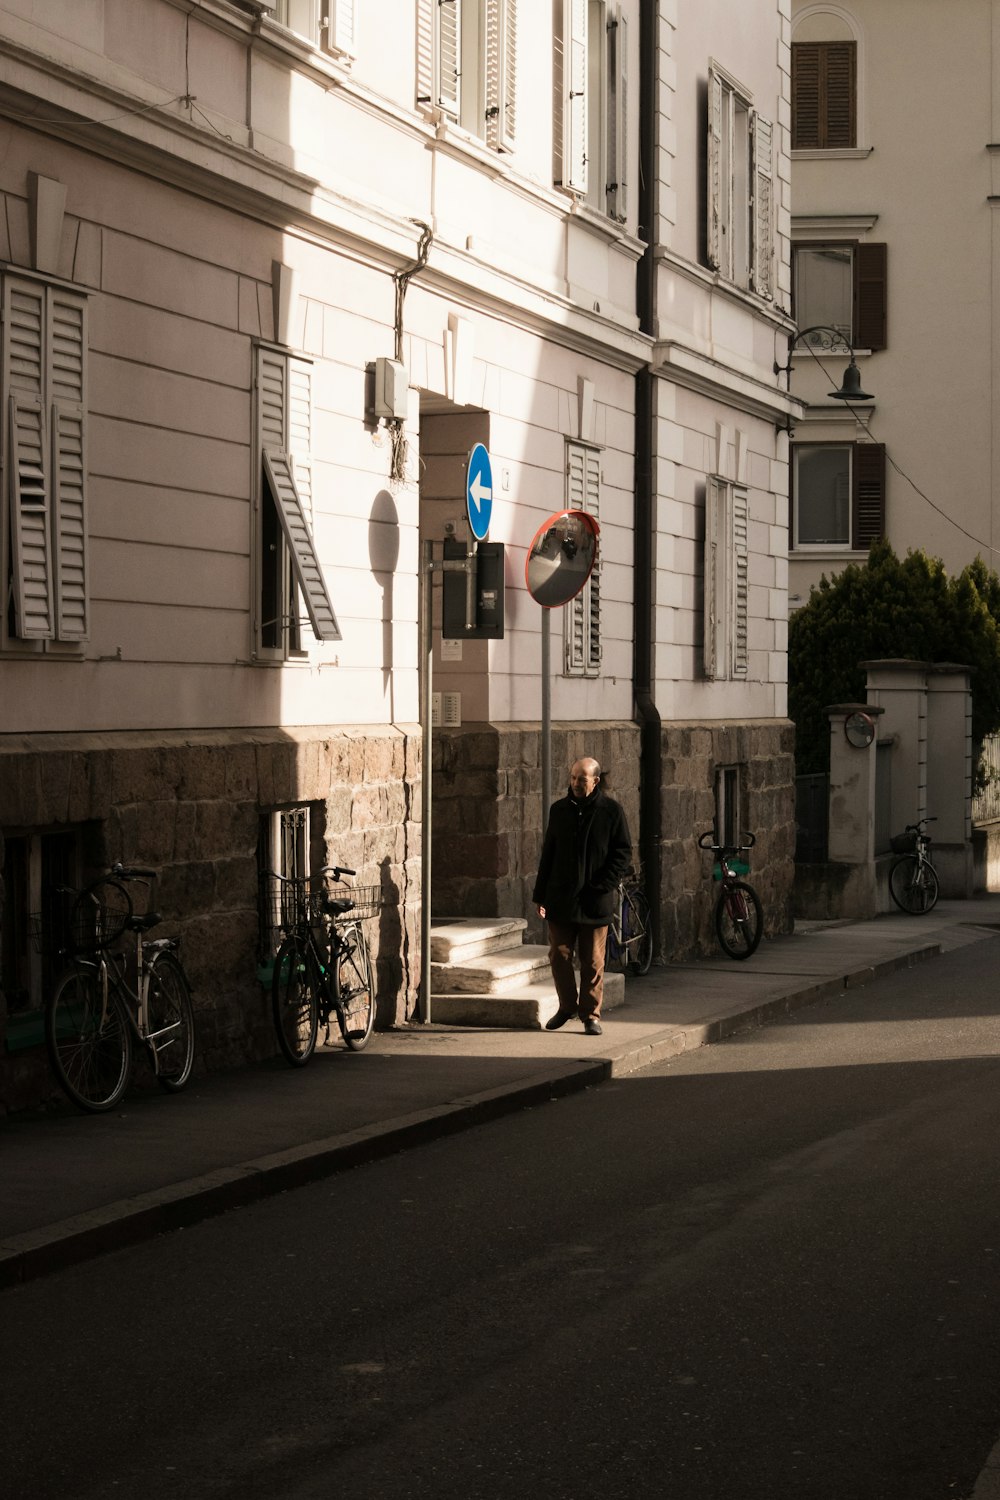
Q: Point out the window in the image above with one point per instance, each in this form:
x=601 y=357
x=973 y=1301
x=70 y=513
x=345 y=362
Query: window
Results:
x=328 y=23
x=283 y=849
x=582 y=615
x=842 y=285
x=467 y=65
x=34 y=914
x=728 y=814
x=591 y=66
x=727 y=521
x=288 y=569
x=740 y=242
x=838 y=494
x=824 y=95
x=43 y=538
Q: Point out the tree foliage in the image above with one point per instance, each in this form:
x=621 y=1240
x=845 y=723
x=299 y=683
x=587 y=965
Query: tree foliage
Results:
x=890 y=608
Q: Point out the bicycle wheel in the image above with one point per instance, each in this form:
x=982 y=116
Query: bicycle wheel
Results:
x=638 y=931
x=913 y=885
x=89 y=1044
x=295 y=1000
x=355 y=989
x=739 y=919
x=171 y=1023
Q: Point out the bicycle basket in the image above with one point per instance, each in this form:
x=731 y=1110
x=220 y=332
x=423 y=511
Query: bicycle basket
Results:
x=366 y=900
x=99 y=916
x=903 y=843
x=284 y=905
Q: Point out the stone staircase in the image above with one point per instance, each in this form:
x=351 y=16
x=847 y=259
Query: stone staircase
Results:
x=483 y=973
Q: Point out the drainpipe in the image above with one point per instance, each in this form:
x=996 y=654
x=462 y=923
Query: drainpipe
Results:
x=644 y=564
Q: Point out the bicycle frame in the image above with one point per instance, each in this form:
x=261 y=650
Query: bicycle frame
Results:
x=112 y=971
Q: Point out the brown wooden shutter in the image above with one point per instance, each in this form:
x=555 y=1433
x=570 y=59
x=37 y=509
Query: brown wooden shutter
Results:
x=824 y=95
x=870 y=296
x=868 y=522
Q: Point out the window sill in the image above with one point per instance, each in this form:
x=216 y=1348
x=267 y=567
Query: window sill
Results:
x=835 y=153
x=834 y=553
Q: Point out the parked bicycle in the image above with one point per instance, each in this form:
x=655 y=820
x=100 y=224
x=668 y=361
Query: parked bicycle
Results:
x=913 y=881
x=110 y=995
x=630 y=934
x=739 y=919
x=323 y=966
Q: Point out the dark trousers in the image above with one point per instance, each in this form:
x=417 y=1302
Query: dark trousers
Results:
x=565 y=939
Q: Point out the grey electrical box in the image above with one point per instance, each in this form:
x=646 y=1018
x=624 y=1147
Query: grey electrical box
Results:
x=390 y=389
x=489 y=594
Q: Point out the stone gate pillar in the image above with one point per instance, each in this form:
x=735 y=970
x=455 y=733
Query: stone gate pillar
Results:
x=949 y=776
x=899 y=688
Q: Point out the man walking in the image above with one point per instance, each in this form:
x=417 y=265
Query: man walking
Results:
x=585 y=852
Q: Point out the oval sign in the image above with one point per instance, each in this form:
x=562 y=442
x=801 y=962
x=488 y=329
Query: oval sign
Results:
x=561 y=558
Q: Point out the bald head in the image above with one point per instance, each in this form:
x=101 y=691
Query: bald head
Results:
x=584 y=776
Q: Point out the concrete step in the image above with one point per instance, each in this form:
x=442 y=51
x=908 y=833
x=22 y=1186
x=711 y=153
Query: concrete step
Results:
x=492 y=973
x=453 y=940
x=525 y=1006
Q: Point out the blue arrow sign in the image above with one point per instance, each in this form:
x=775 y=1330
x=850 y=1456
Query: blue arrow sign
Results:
x=479 y=492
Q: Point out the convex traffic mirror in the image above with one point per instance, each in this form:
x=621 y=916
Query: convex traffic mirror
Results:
x=561 y=558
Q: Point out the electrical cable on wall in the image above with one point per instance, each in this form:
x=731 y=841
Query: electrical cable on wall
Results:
x=402 y=279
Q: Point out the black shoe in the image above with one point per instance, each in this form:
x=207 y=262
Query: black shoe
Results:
x=593 y=1027
x=559 y=1019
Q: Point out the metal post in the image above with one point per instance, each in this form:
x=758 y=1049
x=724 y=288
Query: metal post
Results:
x=426 y=774
x=546 y=716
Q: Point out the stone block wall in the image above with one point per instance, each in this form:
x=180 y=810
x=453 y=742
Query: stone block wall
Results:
x=189 y=806
x=691 y=756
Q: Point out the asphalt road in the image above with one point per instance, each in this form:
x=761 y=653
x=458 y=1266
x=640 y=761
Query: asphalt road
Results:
x=768 y=1270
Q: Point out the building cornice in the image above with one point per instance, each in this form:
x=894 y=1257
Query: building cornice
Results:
x=710 y=377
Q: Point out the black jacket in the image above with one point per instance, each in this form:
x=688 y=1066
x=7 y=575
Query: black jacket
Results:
x=585 y=853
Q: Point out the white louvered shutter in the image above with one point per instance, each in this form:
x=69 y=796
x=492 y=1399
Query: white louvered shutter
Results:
x=342 y=25
x=426 y=13
x=298 y=535
x=714 y=591
x=67 y=348
x=300 y=430
x=575 y=96
x=617 y=186
x=741 y=555
x=714 y=194
x=582 y=639
x=762 y=173
x=28 y=466
x=272 y=385
x=448 y=55
x=501 y=74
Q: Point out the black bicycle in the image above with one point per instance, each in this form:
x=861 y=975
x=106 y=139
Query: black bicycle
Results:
x=630 y=933
x=913 y=881
x=323 y=965
x=739 y=919
x=115 y=991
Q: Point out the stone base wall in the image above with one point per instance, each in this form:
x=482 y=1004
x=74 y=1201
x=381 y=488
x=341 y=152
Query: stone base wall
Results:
x=487 y=817
x=487 y=820
x=189 y=806
x=691 y=756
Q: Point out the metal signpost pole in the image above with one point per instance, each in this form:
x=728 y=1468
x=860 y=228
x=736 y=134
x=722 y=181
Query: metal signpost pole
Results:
x=426 y=770
x=546 y=716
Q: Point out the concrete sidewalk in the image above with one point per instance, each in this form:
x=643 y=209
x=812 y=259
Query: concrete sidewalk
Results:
x=72 y=1186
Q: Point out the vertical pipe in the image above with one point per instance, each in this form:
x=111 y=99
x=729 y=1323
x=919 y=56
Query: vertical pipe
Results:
x=426 y=773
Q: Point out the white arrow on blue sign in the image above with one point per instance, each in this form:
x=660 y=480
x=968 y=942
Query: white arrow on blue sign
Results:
x=479 y=492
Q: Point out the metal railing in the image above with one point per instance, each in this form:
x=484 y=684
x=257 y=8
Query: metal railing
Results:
x=986 y=803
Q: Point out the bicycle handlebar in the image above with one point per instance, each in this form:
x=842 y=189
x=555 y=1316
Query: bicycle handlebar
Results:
x=337 y=871
x=705 y=842
x=131 y=872
x=916 y=827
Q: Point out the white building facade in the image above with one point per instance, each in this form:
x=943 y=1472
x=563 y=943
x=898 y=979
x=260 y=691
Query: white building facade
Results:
x=269 y=271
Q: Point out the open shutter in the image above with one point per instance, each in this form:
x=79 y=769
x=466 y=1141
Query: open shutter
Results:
x=761 y=269
x=741 y=593
x=617 y=187
x=805 y=96
x=870 y=296
x=300 y=430
x=298 y=535
x=501 y=74
x=575 y=96
x=426 y=11
x=34 y=613
x=838 y=102
x=714 y=595
x=67 y=350
x=582 y=638
x=272 y=379
x=869 y=495
x=342 y=26
x=448 y=55
x=714 y=194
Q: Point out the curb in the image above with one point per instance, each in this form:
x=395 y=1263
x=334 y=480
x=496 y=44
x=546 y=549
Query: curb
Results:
x=181 y=1205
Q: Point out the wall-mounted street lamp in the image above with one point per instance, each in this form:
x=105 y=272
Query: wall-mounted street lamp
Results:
x=850 y=387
